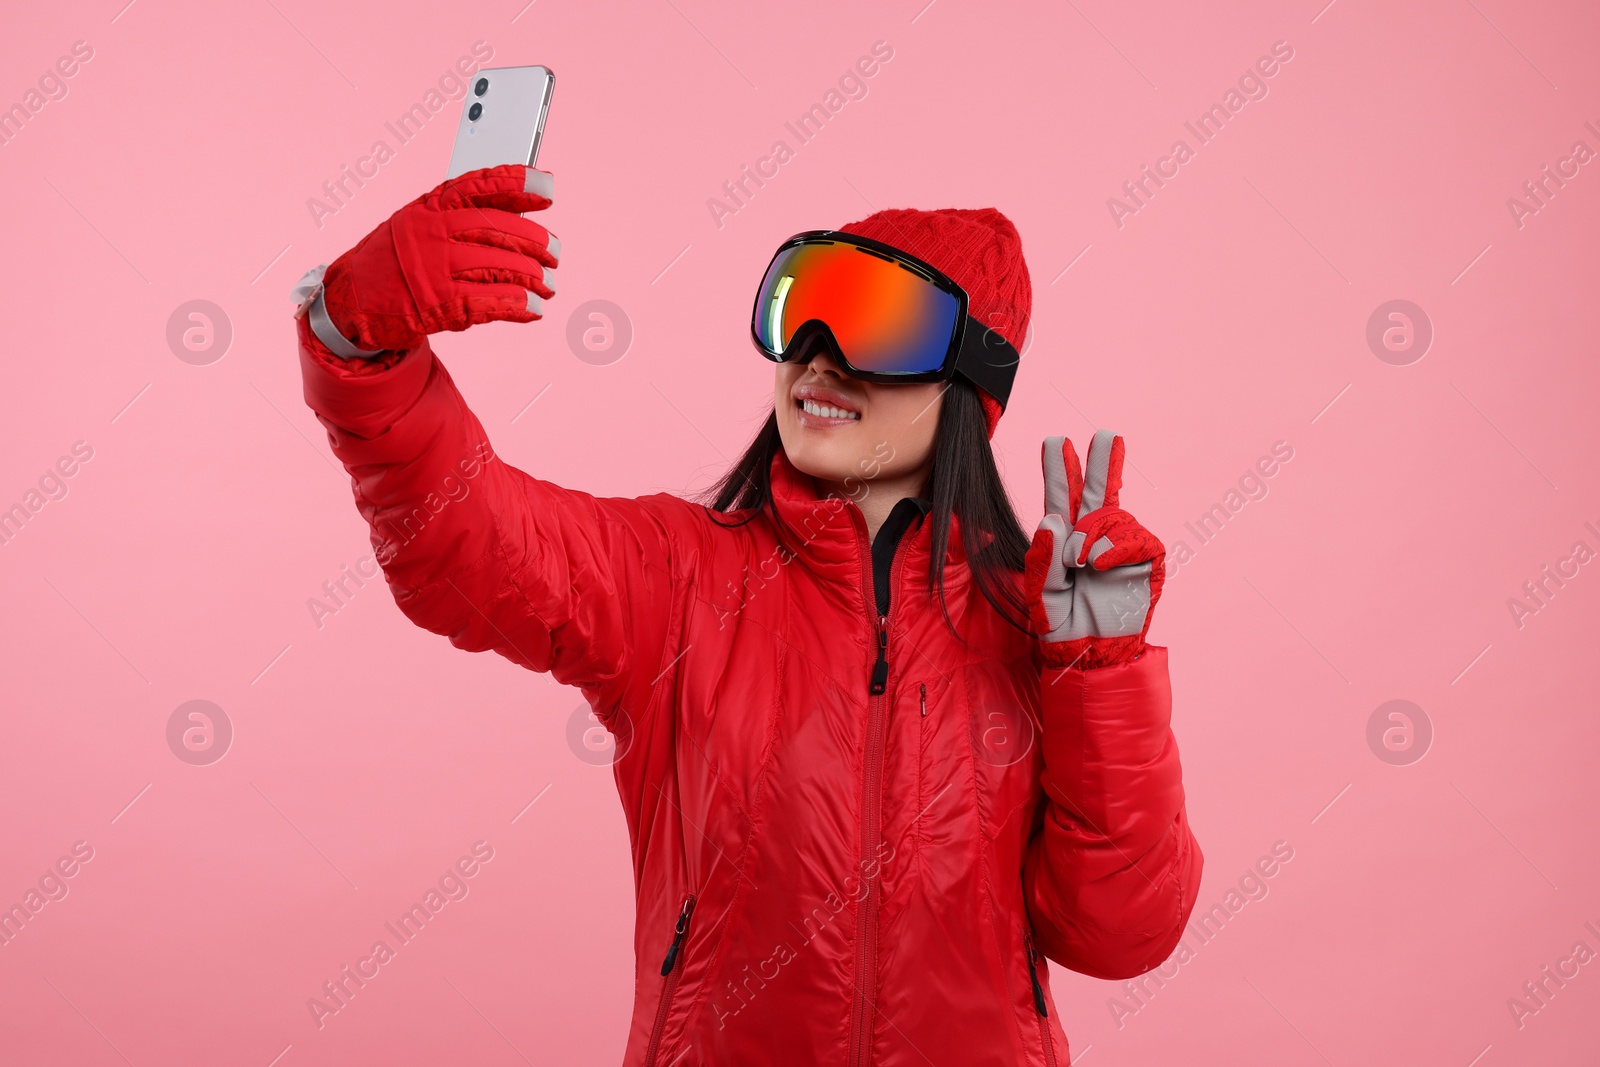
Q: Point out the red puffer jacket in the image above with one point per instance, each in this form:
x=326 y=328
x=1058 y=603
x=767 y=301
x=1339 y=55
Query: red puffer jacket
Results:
x=825 y=874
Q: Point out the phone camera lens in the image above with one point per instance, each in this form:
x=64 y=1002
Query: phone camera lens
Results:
x=473 y=112
x=481 y=88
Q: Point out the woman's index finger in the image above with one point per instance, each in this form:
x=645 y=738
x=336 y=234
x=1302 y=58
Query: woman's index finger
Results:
x=1063 y=478
x=509 y=187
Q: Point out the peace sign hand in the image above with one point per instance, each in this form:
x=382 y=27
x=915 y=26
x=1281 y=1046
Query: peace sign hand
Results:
x=1093 y=572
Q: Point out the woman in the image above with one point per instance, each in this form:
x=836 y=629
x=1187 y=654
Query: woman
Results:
x=879 y=757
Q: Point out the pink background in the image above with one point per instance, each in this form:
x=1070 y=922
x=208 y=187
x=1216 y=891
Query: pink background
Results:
x=1228 y=314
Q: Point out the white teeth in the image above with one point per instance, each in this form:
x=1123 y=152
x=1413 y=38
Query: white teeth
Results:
x=813 y=408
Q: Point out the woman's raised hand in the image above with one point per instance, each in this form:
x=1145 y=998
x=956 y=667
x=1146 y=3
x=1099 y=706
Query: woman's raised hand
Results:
x=459 y=255
x=1093 y=572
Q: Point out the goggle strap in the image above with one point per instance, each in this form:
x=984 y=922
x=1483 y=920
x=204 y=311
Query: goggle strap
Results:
x=987 y=360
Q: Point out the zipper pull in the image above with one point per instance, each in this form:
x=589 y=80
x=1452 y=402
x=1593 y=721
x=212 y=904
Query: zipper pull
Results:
x=677 y=938
x=880 y=669
x=1038 y=990
x=922 y=697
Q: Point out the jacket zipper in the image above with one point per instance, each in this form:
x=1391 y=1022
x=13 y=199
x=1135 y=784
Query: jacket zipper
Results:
x=922 y=697
x=671 y=972
x=880 y=669
x=1038 y=1002
x=866 y=977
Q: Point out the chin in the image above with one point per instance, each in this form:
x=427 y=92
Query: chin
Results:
x=830 y=455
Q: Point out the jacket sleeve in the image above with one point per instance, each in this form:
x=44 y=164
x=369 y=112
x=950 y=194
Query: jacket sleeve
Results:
x=472 y=548
x=1112 y=871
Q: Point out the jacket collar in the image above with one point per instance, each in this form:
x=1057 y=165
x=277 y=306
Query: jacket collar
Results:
x=829 y=533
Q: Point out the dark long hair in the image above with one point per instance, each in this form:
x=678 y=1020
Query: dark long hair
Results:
x=963 y=480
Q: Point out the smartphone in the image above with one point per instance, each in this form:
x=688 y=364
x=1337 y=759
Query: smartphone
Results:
x=502 y=118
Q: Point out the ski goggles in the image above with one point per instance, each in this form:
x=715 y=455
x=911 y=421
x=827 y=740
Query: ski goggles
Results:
x=891 y=317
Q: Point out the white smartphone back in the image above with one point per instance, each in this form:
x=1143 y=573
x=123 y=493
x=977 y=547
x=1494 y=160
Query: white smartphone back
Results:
x=502 y=118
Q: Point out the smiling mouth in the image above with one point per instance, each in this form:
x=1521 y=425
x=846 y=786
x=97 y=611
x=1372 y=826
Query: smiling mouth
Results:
x=823 y=411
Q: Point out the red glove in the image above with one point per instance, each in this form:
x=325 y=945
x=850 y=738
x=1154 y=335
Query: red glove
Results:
x=1093 y=573
x=459 y=255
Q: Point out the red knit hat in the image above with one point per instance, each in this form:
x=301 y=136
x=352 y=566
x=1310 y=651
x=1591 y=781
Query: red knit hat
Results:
x=980 y=250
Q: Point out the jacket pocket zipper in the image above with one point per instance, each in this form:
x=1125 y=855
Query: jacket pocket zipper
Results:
x=1038 y=1001
x=671 y=971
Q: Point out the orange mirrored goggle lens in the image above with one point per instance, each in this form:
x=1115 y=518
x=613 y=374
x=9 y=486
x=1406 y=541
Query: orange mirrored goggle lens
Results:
x=886 y=318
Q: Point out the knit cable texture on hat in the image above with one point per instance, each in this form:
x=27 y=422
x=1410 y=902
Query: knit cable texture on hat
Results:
x=980 y=250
